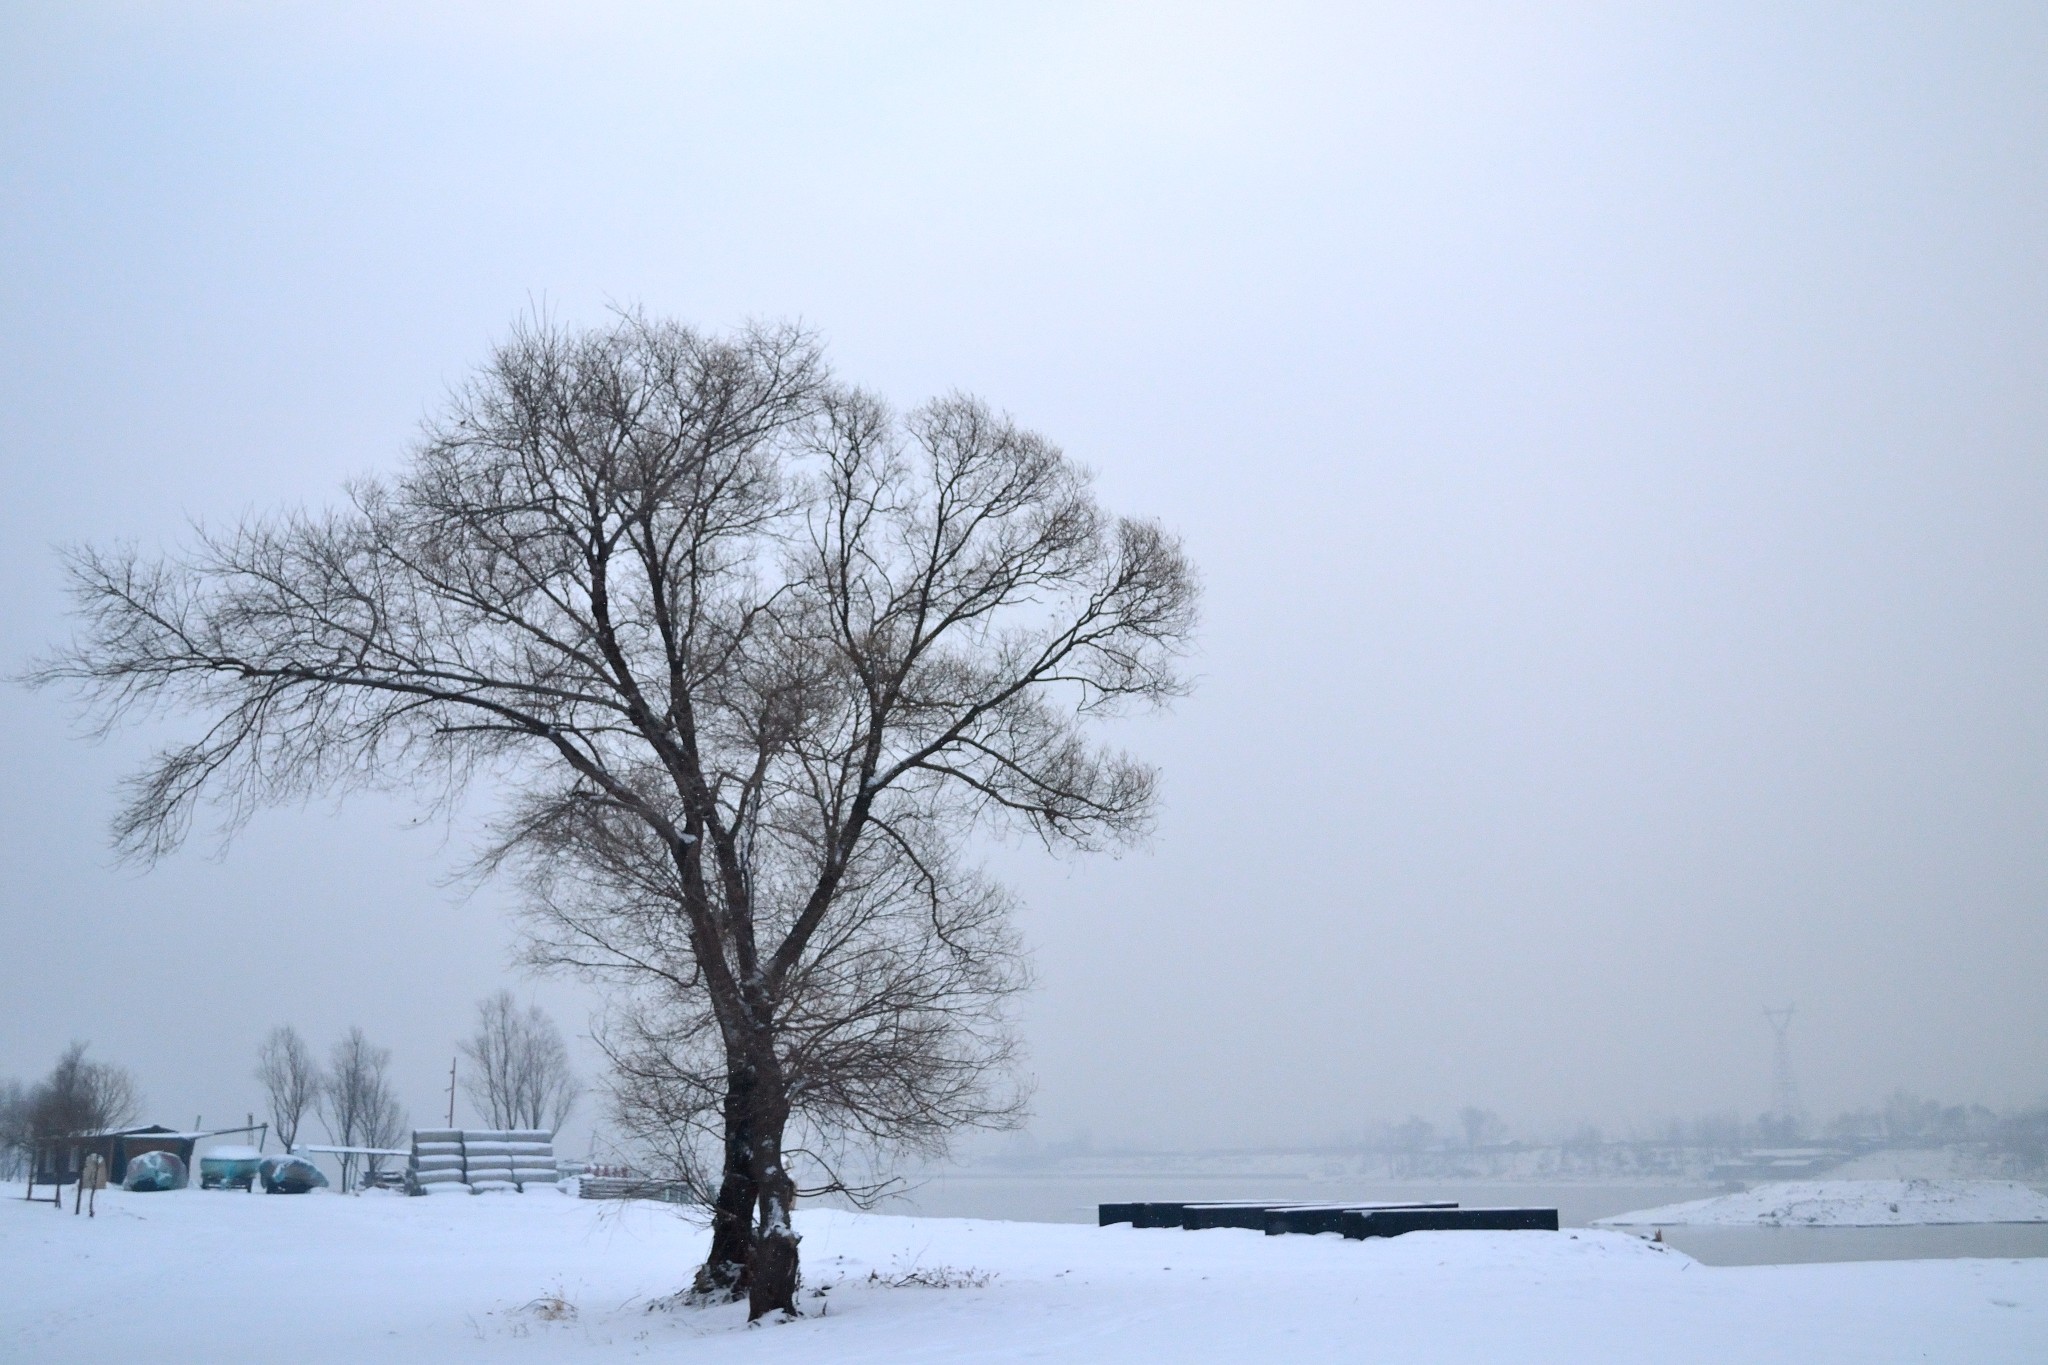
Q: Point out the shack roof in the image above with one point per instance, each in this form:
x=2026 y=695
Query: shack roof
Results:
x=158 y=1130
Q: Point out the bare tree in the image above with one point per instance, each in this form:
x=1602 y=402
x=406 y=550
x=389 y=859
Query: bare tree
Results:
x=79 y=1096
x=291 y=1081
x=15 y=1137
x=356 y=1103
x=643 y=577
x=519 y=1072
x=384 y=1123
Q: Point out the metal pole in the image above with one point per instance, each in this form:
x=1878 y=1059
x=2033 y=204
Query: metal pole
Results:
x=451 y=1092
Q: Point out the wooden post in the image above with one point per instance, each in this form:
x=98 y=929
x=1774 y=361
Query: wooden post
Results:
x=91 y=1175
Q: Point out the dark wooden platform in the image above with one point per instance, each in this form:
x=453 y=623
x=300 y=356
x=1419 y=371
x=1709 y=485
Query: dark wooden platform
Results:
x=1310 y=1219
x=1157 y=1213
x=1257 y=1215
x=1393 y=1222
x=1197 y=1217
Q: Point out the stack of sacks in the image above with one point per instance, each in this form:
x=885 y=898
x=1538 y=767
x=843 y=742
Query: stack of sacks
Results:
x=490 y=1160
x=437 y=1165
x=533 y=1157
x=480 y=1160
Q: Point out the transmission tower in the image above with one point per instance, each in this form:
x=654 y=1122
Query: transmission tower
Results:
x=1784 y=1090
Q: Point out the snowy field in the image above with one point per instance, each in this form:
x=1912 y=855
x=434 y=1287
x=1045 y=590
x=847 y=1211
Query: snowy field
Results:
x=200 y=1276
x=1853 y=1204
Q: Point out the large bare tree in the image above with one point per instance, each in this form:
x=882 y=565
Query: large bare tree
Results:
x=637 y=575
x=519 y=1072
x=291 y=1080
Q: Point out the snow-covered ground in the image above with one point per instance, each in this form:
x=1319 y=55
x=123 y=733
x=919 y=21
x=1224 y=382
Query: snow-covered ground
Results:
x=1852 y=1204
x=207 y=1276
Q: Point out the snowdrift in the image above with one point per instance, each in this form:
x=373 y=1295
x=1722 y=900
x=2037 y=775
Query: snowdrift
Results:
x=1852 y=1204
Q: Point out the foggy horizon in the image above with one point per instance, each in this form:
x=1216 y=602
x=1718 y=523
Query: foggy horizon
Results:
x=1611 y=446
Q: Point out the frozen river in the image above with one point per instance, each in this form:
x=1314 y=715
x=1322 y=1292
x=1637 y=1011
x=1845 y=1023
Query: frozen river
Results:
x=1072 y=1199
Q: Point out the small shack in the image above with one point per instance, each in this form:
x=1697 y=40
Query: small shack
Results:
x=57 y=1161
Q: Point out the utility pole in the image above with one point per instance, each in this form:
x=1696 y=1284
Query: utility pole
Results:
x=451 y=1092
x=1784 y=1090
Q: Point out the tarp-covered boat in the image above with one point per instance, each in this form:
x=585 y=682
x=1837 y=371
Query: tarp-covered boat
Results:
x=286 y=1174
x=154 y=1171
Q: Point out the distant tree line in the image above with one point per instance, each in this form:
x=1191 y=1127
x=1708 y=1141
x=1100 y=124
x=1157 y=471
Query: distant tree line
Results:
x=2015 y=1141
x=1906 y=1119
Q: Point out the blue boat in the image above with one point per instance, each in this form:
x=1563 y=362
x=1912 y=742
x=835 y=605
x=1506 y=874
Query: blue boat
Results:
x=229 y=1168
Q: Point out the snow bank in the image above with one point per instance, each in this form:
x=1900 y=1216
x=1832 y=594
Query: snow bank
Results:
x=564 y=1282
x=1852 y=1204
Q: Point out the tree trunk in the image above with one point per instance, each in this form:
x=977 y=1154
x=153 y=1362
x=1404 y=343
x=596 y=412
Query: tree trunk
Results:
x=774 y=1267
x=775 y=1277
x=725 y=1274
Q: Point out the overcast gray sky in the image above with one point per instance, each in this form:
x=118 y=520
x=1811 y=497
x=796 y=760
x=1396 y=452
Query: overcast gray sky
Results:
x=1612 y=438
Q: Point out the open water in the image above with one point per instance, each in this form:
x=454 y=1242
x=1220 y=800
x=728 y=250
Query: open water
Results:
x=1064 y=1198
